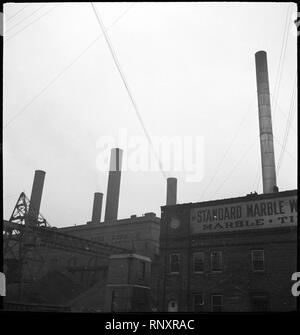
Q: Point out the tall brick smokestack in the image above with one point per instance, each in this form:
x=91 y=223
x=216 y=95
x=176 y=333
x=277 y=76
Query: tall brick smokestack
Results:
x=113 y=186
x=97 y=207
x=171 y=191
x=265 y=123
x=36 y=197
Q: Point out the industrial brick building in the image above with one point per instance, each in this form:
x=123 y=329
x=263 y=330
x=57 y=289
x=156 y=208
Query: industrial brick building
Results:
x=230 y=255
x=233 y=254
x=140 y=234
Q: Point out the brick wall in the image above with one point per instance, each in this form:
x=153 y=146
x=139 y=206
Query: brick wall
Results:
x=237 y=282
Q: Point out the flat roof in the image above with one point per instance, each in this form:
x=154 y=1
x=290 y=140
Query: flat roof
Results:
x=129 y=221
x=249 y=197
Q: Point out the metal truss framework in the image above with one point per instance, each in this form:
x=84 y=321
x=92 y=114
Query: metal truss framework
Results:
x=28 y=245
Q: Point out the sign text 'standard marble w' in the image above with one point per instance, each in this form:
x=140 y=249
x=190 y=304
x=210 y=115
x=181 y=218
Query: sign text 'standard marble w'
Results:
x=245 y=215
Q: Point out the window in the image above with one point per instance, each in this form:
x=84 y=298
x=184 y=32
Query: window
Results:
x=173 y=306
x=260 y=303
x=174 y=263
x=216 y=260
x=258 y=260
x=142 y=270
x=113 y=301
x=198 y=302
x=198 y=262
x=216 y=303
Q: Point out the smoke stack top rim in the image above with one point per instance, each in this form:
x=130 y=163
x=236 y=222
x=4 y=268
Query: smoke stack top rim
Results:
x=40 y=171
x=121 y=150
x=113 y=185
x=116 y=155
x=261 y=52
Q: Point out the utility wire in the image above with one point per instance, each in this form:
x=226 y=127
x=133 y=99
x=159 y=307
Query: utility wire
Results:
x=281 y=60
x=290 y=155
x=286 y=117
x=25 y=18
x=288 y=124
x=236 y=166
x=51 y=82
x=227 y=150
x=21 y=30
x=127 y=87
x=256 y=179
x=258 y=182
x=10 y=196
x=16 y=13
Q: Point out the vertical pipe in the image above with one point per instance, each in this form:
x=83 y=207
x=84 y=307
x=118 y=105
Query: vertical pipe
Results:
x=265 y=123
x=113 y=186
x=97 y=207
x=36 y=197
x=171 y=191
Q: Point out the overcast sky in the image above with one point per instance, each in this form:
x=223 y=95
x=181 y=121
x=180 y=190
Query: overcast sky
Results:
x=191 y=69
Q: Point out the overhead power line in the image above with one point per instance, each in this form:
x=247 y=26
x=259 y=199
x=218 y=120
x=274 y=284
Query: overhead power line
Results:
x=16 y=13
x=10 y=196
x=257 y=179
x=290 y=155
x=24 y=19
x=227 y=150
x=288 y=125
x=281 y=61
x=28 y=25
x=134 y=104
x=236 y=165
x=279 y=109
x=52 y=81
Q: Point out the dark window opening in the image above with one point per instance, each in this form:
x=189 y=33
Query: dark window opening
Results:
x=173 y=306
x=258 y=260
x=216 y=261
x=198 y=302
x=198 y=262
x=217 y=303
x=260 y=303
x=174 y=263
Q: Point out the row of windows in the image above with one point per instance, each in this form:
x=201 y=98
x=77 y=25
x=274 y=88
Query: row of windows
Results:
x=198 y=303
x=259 y=303
x=257 y=261
x=216 y=302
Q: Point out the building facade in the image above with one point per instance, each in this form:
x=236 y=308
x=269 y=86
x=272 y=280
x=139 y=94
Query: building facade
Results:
x=137 y=233
x=235 y=255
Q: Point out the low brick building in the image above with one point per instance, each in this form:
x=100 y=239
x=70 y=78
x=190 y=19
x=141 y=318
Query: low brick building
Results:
x=138 y=233
x=229 y=255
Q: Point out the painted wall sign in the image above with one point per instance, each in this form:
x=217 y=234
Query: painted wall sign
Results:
x=260 y=214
